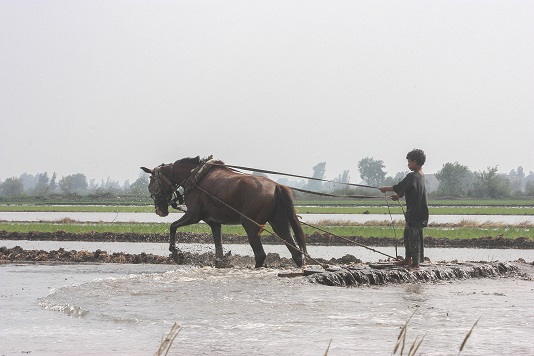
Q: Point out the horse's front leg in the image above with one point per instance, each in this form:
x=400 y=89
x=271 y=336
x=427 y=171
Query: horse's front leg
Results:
x=186 y=219
x=220 y=260
x=216 y=231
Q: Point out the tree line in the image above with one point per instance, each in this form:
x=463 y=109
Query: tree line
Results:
x=453 y=180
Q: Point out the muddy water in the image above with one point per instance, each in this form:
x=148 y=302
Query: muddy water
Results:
x=126 y=309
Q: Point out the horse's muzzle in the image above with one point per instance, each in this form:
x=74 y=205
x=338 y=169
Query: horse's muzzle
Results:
x=162 y=212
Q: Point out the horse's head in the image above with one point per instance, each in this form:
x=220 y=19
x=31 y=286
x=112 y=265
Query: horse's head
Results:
x=160 y=189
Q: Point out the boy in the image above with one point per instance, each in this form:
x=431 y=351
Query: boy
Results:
x=412 y=187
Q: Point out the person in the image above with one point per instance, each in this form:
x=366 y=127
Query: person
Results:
x=412 y=187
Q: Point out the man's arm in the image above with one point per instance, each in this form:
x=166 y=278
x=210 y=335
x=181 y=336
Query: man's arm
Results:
x=390 y=189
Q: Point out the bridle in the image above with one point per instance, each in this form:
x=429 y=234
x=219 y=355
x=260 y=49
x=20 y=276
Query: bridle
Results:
x=187 y=184
x=161 y=179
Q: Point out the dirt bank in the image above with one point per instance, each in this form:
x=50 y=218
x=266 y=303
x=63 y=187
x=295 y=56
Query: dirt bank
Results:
x=314 y=239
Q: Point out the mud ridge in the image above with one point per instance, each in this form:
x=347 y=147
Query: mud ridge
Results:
x=352 y=276
x=498 y=242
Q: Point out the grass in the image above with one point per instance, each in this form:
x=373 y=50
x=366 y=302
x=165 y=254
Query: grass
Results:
x=401 y=343
x=452 y=231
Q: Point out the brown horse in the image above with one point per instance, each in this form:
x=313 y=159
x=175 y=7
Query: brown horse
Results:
x=218 y=195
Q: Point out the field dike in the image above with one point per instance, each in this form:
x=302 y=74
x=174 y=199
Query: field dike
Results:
x=347 y=271
x=369 y=275
x=321 y=239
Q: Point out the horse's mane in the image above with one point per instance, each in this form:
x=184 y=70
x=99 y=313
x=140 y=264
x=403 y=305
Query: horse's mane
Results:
x=194 y=160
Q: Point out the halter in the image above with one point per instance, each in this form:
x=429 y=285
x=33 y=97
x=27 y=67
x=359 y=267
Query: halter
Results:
x=187 y=184
x=157 y=190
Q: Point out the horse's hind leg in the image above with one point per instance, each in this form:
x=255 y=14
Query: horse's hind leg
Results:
x=280 y=225
x=253 y=234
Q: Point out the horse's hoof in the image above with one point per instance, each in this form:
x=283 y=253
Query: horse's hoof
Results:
x=177 y=257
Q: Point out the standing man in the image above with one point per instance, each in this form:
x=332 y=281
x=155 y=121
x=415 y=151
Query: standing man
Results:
x=412 y=187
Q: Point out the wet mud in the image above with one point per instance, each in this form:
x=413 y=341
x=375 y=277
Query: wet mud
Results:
x=345 y=271
x=352 y=276
x=498 y=242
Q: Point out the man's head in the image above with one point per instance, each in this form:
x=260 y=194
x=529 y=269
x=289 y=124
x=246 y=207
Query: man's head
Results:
x=416 y=155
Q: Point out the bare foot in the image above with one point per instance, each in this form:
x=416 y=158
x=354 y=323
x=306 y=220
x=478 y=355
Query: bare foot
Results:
x=405 y=262
x=414 y=267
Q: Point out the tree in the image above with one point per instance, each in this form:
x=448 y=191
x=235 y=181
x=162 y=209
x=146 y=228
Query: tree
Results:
x=488 y=184
x=28 y=181
x=140 y=186
x=73 y=184
x=42 y=187
x=342 y=178
x=371 y=171
x=12 y=186
x=517 y=179
x=454 y=180
x=319 y=172
x=396 y=179
x=53 y=183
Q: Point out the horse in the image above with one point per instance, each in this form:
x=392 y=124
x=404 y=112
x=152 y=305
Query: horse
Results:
x=219 y=195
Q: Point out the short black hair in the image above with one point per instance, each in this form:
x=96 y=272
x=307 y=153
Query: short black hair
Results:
x=417 y=155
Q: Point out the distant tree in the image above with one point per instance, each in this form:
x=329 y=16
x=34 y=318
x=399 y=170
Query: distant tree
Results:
x=517 y=179
x=53 y=183
x=43 y=185
x=73 y=184
x=12 y=186
x=29 y=181
x=342 y=178
x=488 y=184
x=529 y=189
x=454 y=180
x=371 y=171
x=140 y=186
x=319 y=172
x=396 y=179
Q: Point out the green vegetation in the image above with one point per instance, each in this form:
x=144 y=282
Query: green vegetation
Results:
x=374 y=206
x=380 y=230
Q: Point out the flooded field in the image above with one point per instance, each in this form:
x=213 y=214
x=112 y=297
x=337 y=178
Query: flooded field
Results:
x=308 y=218
x=96 y=309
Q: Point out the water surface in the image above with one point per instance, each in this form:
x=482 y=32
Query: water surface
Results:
x=96 y=309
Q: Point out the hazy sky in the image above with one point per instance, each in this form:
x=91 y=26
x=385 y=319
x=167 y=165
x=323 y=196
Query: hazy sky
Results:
x=104 y=87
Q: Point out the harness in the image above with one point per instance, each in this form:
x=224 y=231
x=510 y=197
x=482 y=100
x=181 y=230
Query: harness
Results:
x=178 y=191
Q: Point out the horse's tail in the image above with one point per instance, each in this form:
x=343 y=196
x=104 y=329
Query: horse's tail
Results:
x=285 y=197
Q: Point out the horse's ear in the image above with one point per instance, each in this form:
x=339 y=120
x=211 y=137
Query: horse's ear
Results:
x=146 y=170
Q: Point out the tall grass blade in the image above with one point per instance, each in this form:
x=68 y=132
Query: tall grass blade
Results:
x=468 y=335
x=328 y=348
x=419 y=344
x=166 y=344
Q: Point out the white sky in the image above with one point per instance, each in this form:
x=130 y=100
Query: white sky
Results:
x=103 y=87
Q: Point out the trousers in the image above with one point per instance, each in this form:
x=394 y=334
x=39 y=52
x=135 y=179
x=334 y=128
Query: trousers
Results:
x=413 y=244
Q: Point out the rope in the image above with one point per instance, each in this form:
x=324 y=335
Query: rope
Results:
x=290 y=175
x=347 y=239
x=262 y=227
x=392 y=224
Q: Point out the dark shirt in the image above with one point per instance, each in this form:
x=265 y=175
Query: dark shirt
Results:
x=412 y=187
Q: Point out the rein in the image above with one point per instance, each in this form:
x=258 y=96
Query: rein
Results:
x=262 y=227
x=291 y=175
x=198 y=173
